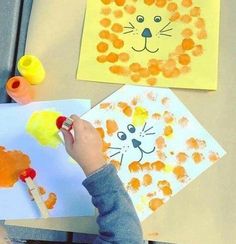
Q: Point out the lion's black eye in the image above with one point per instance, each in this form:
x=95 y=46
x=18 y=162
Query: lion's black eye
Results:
x=140 y=18
x=121 y=135
x=131 y=128
x=157 y=19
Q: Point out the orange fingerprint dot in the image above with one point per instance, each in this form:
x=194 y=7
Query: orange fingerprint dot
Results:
x=179 y=172
x=144 y=72
x=181 y=157
x=105 y=22
x=113 y=37
x=118 y=43
x=154 y=69
x=202 y=34
x=147 y=180
x=197 y=157
x=195 y=12
x=213 y=157
x=185 y=70
x=130 y=9
x=146 y=166
x=153 y=61
x=155 y=203
x=200 y=23
x=158 y=165
x=117 y=69
x=102 y=58
x=175 y=16
x=172 y=7
x=186 y=18
x=167 y=73
x=163 y=183
x=135 y=67
x=160 y=143
x=101 y=132
x=168 y=117
x=135 y=167
x=198 y=50
x=149 y=2
x=166 y=191
x=192 y=143
x=168 y=131
x=183 y=122
x=187 y=3
x=187 y=32
x=105 y=105
x=151 y=81
x=124 y=57
x=170 y=64
x=176 y=72
x=106 y=11
x=105 y=146
x=117 y=28
x=120 y=2
x=118 y=13
x=156 y=116
x=122 y=105
x=184 y=59
x=161 y=3
x=134 y=184
x=104 y=34
x=106 y=1
x=51 y=201
x=188 y=44
x=116 y=164
x=112 y=57
x=135 y=77
x=111 y=126
x=128 y=111
x=102 y=47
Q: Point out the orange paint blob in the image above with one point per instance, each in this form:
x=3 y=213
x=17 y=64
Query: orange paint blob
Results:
x=161 y=3
x=130 y=9
x=158 y=165
x=154 y=69
x=135 y=167
x=213 y=157
x=161 y=155
x=202 y=34
x=168 y=117
x=146 y=166
x=200 y=23
x=12 y=163
x=118 y=43
x=181 y=157
x=124 y=57
x=172 y=7
x=116 y=164
x=134 y=184
x=135 y=78
x=175 y=16
x=147 y=180
x=106 y=11
x=102 y=47
x=104 y=105
x=166 y=191
x=155 y=203
x=111 y=126
x=104 y=34
x=101 y=132
x=195 y=12
x=184 y=59
x=186 y=18
x=179 y=172
x=160 y=142
x=128 y=111
x=120 y=2
x=187 y=33
x=198 y=50
x=51 y=201
x=144 y=72
x=163 y=183
x=102 y=58
x=183 y=122
x=168 y=131
x=149 y=2
x=188 y=44
x=197 y=157
x=135 y=67
x=156 y=116
x=152 y=81
x=112 y=57
x=105 y=146
x=187 y=3
x=118 y=13
x=106 y=1
x=105 y=22
x=117 y=28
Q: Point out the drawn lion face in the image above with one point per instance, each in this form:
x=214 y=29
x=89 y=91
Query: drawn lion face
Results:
x=150 y=39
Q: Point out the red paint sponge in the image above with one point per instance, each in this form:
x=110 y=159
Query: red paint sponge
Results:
x=28 y=173
x=60 y=121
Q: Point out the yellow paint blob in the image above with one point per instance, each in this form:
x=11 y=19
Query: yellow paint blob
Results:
x=42 y=126
x=140 y=116
x=168 y=168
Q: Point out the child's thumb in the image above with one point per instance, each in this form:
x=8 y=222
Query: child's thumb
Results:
x=69 y=140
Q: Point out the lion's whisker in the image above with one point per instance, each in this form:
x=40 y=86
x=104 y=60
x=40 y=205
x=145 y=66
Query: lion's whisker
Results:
x=165 y=34
x=114 y=154
x=148 y=134
x=148 y=129
x=144 y=126
x=166 y=30
x=122 y=156
x=118 y=148
x=127 y=32
x=165 y=27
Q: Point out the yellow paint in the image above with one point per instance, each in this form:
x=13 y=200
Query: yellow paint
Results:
x=168 y=168
x=140 y=116
x=32 y=69
x=193 y=30
x=42 y=126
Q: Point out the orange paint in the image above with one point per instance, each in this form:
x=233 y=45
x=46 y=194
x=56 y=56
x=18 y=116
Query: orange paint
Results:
x=184 y=59
x=147 y=180
x=128 y=111
x=112 y=57
x=118 y=13
x=51 y=201
x=200 y=23
x=144 y=72
x=163 y=183
x=120 y=2
x=188 y=44
x=187 y=3
x=166 y=191
x=122 y=105
x=154 y=69
x=165 y=101
x=202 y=34
x=195 y=12
x=181 y=157
x=192 y=143
x=168 y=131
x=102 y=58
x=155 y=203
x=160 y=143
x=161 y=155
x=104 y=34
x=151 y=194
x=106 y=11
x=135 y=78
x=156 y=116
x=130 y=9
x=12 y=163
x=146 y=166
x=118 y=43
x=175 y=16
x=134 y=184
x=105 y=146
x=117 y=28
x=116 y=164
x=161 y=3
x=152 y=81
x=197 y=157
x=198 y=50
x=179 y=172
x=172 y=7
x=213 y=157
x=158 y=165
x=105 y=22
x=101 y=132
x=106 y=1
x=187 y=33
x=168 y=117
x=135 y=67
x=149 y=2
x=111 y=126
x=135 y=167
x=186 y=18
x=102 y=47
x=124 y=57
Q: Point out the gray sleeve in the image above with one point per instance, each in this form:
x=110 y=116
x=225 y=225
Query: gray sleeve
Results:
x=117 y=220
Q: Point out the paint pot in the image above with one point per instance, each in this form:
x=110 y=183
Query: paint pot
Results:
x=19 y=89
x=31 y=68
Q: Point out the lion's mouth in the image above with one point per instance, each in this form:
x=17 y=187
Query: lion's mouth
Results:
x=142 y=152
x=145 y=48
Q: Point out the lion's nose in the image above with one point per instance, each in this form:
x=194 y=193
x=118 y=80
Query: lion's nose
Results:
x=147 y=33
x=136 y=143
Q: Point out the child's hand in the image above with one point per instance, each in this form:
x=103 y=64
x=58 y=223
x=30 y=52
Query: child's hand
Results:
x=86 y=145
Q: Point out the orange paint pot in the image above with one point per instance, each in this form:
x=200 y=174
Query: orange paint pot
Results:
x=19 y=89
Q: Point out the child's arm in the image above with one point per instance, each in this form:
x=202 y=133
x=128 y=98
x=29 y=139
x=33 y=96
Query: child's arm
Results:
x=117 y=220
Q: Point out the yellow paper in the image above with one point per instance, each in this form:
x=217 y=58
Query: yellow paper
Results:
x=151 y=42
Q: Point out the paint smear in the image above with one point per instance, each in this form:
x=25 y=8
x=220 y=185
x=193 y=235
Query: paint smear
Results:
x=42 y=126
x=140 y=116
x=12 y=163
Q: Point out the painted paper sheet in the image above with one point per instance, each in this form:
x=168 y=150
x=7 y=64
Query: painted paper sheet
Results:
x=28 y=138
x=155 y=143
x=167 y=43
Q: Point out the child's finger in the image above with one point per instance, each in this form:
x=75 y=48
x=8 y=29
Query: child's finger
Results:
x=69 y=140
